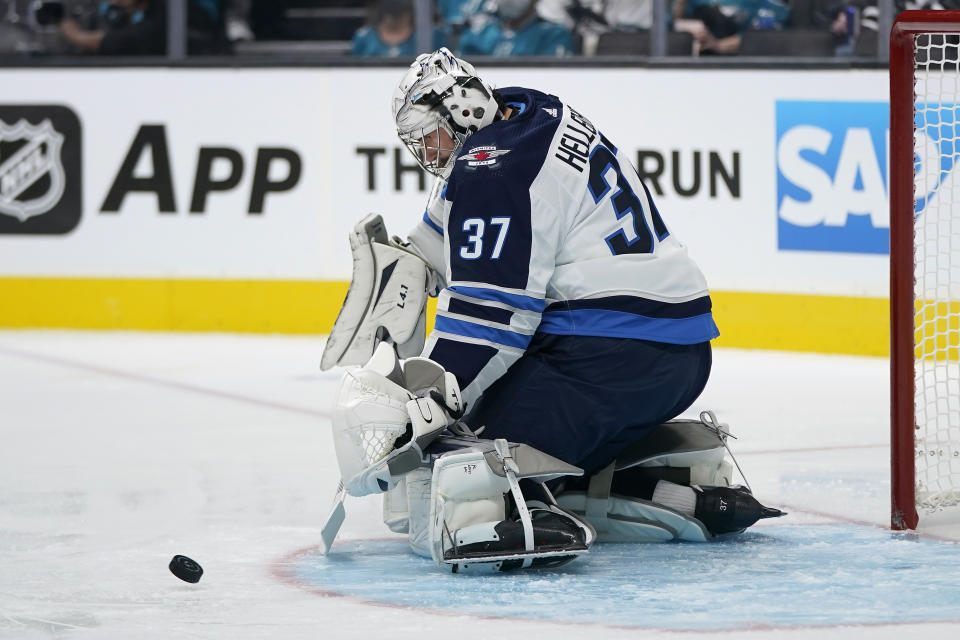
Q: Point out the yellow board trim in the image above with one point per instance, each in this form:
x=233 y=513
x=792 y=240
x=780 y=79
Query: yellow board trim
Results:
x=795 y=322
x=789 y=322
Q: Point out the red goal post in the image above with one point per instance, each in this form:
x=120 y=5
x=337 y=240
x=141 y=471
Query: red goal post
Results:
x=924 y=285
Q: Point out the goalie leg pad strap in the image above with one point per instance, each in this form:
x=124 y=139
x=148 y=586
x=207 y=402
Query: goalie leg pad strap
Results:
x=598 y=496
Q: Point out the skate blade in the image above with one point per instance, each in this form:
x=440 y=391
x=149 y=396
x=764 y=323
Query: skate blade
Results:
x=493 y=558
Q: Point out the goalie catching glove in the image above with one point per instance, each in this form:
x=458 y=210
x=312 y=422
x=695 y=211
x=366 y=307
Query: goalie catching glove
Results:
x=386 y=415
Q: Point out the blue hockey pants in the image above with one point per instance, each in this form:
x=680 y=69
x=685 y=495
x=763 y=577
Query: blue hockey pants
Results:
x=584 y=399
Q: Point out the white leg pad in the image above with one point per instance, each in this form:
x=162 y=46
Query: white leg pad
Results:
x=418 y=483
x=396 y=514
x=713 y=474
x=465 y=492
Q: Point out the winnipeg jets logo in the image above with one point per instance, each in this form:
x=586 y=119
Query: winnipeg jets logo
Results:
x=32 y=178
x=483 y=156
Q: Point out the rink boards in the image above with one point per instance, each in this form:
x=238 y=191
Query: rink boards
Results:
x=202 y=199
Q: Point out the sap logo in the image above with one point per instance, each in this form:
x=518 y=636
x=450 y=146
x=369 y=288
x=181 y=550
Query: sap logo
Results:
x=832 y=176
x=40 y=171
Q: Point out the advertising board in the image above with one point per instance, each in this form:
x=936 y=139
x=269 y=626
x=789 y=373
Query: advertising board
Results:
x=183 y=180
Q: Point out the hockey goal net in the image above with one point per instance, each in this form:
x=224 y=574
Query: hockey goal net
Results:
x=924 y=264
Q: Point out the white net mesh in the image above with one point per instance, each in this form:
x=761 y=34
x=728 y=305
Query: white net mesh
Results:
x=373 y=438
x=377 y=441
x=937 y=275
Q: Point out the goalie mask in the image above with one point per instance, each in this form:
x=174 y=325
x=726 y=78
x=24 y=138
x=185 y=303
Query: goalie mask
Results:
x=439 y=103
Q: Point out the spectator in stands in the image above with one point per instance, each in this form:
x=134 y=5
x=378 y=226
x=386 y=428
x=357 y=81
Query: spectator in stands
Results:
x=139 y=27
x=609 y=14
x=588 y=19
x=206 y=28
x=716 y=25
x=456 y=16
x=459 y=12
x=237 y=20
x=515 y=30
x=130 y=27
x=841 y=18
x=390 y=31
x=854 y=23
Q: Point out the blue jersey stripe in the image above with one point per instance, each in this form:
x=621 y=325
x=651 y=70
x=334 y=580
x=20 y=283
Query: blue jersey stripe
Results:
x=618 y=324
x=433 y=225
x=517 y=301
x=471 y=330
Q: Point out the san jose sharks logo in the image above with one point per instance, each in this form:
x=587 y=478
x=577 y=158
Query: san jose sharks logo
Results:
x=32 y=178
x=483 y=156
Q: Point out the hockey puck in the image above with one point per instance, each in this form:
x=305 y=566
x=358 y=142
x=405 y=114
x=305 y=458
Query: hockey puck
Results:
x=186 y=569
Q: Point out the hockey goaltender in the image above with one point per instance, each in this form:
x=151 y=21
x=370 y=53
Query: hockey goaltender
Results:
x=572 y=328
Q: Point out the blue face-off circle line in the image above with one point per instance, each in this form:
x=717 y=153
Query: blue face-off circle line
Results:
x=836 y=575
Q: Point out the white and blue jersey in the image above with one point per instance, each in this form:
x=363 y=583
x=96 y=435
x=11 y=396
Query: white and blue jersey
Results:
x=544 y=226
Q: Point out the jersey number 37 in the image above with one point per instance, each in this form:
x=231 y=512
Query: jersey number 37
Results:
x=475 y=228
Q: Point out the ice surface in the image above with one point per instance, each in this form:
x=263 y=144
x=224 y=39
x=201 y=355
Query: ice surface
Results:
x=120 y=450
x=667 y=585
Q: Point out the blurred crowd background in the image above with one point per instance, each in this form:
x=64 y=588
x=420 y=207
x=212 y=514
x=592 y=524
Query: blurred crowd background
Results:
x=501 y=28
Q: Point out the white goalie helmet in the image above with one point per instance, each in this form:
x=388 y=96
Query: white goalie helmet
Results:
x=439 y=103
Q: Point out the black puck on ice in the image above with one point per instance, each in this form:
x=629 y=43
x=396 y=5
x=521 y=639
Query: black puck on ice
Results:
x=186 y=569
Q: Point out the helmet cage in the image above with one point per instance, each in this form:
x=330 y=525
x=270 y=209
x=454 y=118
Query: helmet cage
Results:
x=426 y=145
x=458 y=105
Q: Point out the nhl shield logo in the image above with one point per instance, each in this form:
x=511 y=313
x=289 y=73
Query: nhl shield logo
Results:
x=41 y=169
x=32 y=178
